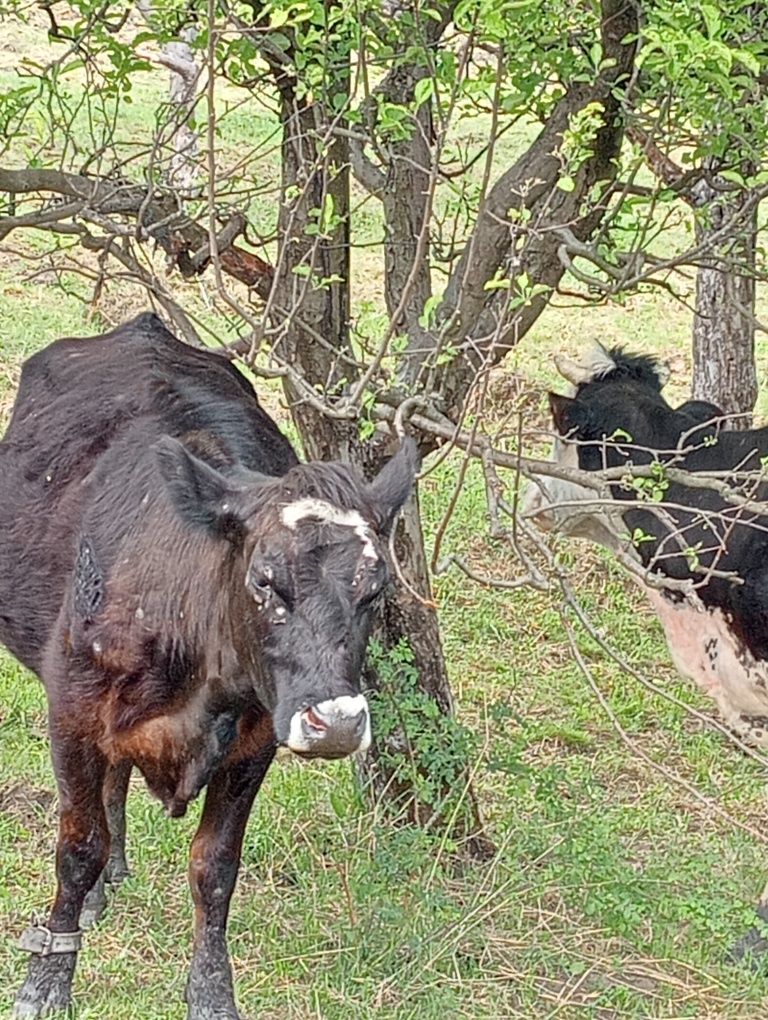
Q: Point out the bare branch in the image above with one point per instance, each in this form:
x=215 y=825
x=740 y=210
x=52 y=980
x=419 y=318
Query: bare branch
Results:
x=161 y=219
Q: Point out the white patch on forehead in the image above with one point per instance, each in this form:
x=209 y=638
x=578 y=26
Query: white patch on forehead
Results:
x=705 y=649
x=330 y=514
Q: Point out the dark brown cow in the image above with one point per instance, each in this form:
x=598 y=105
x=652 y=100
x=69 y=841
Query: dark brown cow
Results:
x=191 y=598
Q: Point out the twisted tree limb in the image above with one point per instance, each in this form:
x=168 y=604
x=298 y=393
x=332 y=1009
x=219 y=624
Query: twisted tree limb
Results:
x=157 y=216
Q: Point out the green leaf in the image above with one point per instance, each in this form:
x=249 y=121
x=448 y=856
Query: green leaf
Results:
x=338 y=803
x=498 y=283
x=279 y=17
x=749 y=60
x=424 y=90
x=734 y=176
x=427 y=317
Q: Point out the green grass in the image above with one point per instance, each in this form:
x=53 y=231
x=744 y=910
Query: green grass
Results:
x=613 y=892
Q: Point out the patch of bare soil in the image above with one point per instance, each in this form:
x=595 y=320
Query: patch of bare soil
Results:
x=26 y=804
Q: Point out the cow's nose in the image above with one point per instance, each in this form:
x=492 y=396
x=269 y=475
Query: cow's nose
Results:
x=332 y=728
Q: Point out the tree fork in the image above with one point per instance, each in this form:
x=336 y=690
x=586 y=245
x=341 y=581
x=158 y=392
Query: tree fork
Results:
x=315 y=166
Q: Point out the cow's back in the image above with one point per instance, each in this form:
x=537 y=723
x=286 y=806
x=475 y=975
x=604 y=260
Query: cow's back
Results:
x=99 y=403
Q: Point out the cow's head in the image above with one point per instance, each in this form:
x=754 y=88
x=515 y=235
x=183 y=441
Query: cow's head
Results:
x=614 y=414
x=313 y=561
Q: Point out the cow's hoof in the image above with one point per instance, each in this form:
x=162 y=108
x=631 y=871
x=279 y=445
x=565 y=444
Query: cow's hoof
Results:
x=95 y=904
x=117 y=870
x=117 y=875
x=752 y=948
x=47 y=988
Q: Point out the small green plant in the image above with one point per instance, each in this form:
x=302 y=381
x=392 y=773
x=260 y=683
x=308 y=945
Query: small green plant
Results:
x=418 y=741
x=691 y=554
x=579 y=140
x=620 y=435
x=366 y=425
x=640 y=537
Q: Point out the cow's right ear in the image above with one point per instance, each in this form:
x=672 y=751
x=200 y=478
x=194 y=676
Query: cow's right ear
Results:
x=562 y=409
x=201 y=495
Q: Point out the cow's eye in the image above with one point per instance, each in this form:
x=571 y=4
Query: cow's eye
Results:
x=265 y=587
x=260 y=590
x=371 y=594
x=260 y=581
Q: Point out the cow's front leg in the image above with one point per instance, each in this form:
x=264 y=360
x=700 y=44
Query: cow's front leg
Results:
x=213 y=866
x=116 y=870
x=81 y=853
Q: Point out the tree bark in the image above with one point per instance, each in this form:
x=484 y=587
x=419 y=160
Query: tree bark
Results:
x=177 y=55
x=407 y=271
x=180 y=60
x=409 y=614
x=314 y=168
x=723 y=339
x=315 y=177
x=105 y=204
x=404 y=760
x=724 y=369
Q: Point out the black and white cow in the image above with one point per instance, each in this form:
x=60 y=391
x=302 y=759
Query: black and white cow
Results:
x=615 y=416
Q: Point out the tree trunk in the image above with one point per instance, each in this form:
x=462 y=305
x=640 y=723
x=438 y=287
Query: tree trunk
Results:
x=177 y=55
x=724 y=370
x=419 y=763
x=418 y=785
x=311 y=287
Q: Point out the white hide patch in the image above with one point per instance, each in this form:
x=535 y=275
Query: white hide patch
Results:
x=556 y=504
x=704 y=649
x=330 y=514
x=332 y=712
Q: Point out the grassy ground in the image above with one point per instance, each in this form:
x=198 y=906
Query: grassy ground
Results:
x=613 y=893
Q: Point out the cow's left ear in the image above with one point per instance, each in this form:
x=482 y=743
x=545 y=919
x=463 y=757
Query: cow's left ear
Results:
x=392 y=485
x=201 y=495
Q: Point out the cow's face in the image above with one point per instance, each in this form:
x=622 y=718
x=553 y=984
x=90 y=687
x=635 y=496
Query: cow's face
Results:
x=315 y=576
x=313 y=569
x=614 y=414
